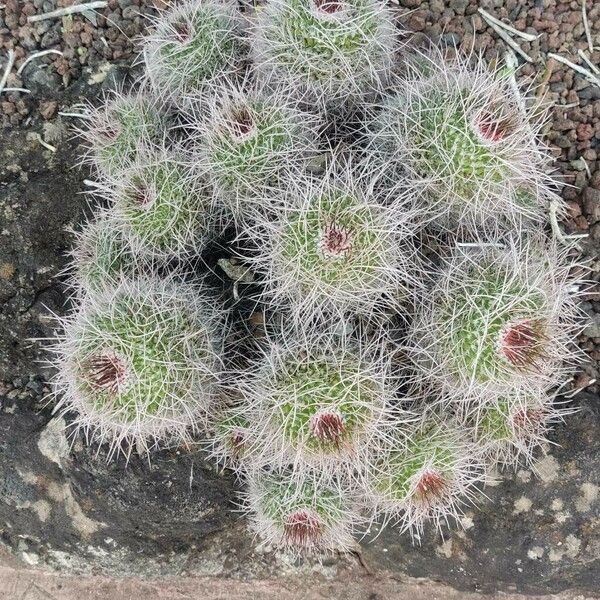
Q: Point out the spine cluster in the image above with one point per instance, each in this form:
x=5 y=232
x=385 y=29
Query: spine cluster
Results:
x=383 y=219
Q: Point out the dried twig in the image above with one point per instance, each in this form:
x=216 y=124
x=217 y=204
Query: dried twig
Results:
x=77 y=115
x=558 y=234
x=511 y=62
x=9 y=66
x=586 y=26
x=491 y=19
x=587 y=167
x=45 y=144
x=508 y=39
x=587 y=74
x=589 y=63
x=36 y=55
x=576 y=391
x=93 y=184
x=548 y=70
x=16 y=89
x=68 y=10
x=556 y=230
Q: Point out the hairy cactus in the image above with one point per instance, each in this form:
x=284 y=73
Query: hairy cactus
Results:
x=315 y=516
x=117 y=130
x=194 y=45
x=296 y=149
x=498 y=320
x=138 y=364
x=100 y=255
x=511 y=429
x=318 y=402
x=333 y=249
x=163 y=209
x=242 y=140
x=463 y=138
x=334 y=50
x=429 y=475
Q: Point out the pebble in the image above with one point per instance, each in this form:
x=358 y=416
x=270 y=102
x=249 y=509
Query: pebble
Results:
x=591 y=204
x=122 y=22
x=48 y=109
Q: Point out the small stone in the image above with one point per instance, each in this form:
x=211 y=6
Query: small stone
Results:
x=53 y=442
x=582 y=223
x=578 y=165
x=417 y=22
x=451 y=39
x=585 y=131
x=591 y=92
x=562 y=141
x=8 y=108
x=459 y=6
x=48 y=109
x=593 y=328
x=50 y=38
x=591 y=204
x=574 y=209
x=7 y=270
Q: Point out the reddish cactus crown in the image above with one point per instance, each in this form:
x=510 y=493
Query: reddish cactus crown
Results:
x=329 y=6
x=302 y=528
x=431 y=486
x=527 y=421
x=335 y=241
x=328 y=426
x=493 y=124
x=521 y=342
x=107 y=372
x=242 y=124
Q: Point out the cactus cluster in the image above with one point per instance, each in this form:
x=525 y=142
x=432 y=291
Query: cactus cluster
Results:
x=399 y=321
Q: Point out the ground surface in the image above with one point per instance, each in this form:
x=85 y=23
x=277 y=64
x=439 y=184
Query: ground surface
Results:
x=70 y=512
x=22 y=584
